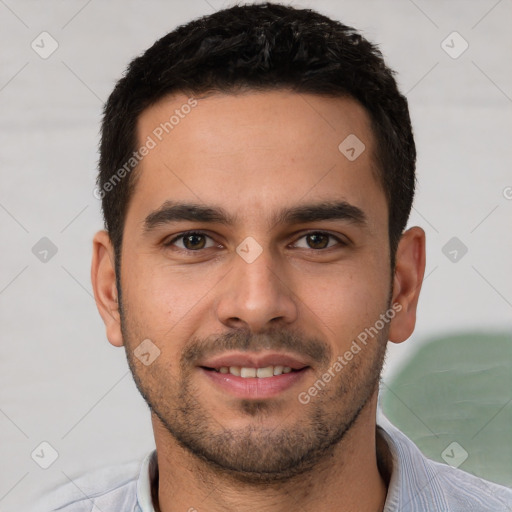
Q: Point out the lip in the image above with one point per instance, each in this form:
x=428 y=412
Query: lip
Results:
x=255 y=360
x=254 y=387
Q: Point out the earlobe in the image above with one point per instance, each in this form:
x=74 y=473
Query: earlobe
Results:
x=408 y=278
x=103 y=277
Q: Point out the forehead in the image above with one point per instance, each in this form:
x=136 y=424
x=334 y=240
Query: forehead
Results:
x=257 y=151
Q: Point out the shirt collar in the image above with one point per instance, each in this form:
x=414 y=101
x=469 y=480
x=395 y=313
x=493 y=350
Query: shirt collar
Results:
x=412 y=475
x=148 y=480
x=405 y=467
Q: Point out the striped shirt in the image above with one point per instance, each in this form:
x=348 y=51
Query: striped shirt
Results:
x=416 y=484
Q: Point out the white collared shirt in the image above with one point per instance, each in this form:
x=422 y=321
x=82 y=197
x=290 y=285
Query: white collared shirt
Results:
x=417 y=484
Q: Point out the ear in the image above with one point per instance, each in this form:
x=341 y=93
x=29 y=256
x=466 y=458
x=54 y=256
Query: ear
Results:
x=103 y=277
x=408 y=278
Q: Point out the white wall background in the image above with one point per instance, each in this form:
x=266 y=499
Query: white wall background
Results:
x=60 y=380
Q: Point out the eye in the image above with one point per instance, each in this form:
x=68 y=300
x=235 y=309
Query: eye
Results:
x=194 y=241
x=319 y=240
x=191 y=241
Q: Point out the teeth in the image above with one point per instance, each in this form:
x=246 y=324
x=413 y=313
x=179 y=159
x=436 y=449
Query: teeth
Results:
x=234 y=370
x=262 y=373
x=265 y=372
x=248 y=372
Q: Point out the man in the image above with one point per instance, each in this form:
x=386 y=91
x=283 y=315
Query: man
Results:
x=256 y=176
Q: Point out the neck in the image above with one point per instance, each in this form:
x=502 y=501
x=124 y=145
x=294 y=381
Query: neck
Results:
x=348 y=479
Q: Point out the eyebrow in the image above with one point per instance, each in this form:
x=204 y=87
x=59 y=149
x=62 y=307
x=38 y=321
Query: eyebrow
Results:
x=172 y=211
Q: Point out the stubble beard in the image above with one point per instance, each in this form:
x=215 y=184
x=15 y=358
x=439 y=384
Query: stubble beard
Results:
x=257 y=454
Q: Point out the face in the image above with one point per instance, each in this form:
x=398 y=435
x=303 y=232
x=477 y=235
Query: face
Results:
x=255 y=255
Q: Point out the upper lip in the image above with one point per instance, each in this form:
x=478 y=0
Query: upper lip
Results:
x=255 y=360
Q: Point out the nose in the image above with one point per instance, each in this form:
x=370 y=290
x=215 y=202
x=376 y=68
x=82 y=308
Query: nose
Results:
x=256 y=295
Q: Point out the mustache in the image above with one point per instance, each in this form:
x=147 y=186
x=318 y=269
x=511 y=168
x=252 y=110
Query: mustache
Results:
x=244 y=341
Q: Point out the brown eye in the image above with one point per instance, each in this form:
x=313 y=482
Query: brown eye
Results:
x=319 y=240
x=191 y=241
x=194 y=241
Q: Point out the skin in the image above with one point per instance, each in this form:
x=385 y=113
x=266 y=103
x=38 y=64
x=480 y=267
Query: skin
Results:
x=254 y=154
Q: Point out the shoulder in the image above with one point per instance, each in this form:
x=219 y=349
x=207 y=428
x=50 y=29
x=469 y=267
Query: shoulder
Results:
x=112 y=488
x=418 y=483
x=464 y=491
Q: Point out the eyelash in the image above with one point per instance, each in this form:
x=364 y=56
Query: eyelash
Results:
x=170 y=243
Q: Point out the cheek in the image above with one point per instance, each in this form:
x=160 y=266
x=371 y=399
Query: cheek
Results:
x=346 y=300
x=164 y=300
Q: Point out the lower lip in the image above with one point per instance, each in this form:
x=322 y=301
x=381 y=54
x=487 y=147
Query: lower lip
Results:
x=255 y=387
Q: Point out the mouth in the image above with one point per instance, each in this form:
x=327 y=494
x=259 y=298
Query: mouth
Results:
x=254 y=376
x=259 y=373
